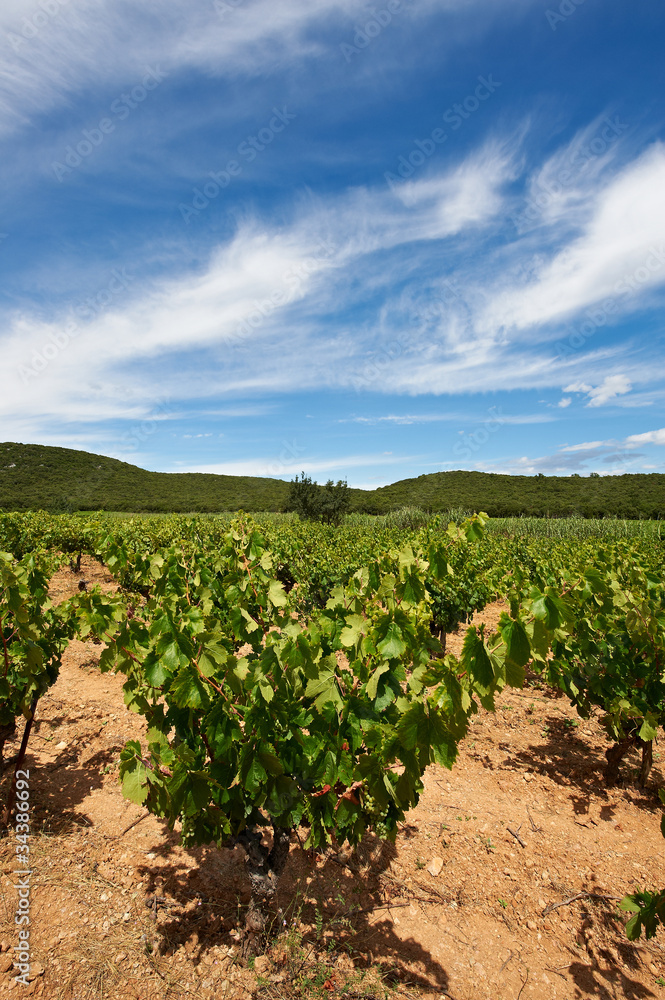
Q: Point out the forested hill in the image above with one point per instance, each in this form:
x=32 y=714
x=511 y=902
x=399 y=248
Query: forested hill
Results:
x=36 y=477
x=508 y=496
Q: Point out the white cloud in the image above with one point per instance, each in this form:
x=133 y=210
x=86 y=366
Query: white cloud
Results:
x=466 y=195
x=577 y=387
x=404 y=419
x=219 y=333
x=96 y=42
x=619 y=253
x=611 y=387
x=650 y=437
x=563 y=189
x=237 y=303
x=565 y=402
x=586 y=446
x=277 y=467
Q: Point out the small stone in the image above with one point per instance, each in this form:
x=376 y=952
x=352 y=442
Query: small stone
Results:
x=531 y=924
x=545 y=875
x=60 y=746
x=151 y=856
x=36 y=969
x=261 y=964
x=6 y=963
x=104 y=897
x=653 y=970
x=126 y=916
x=435 y=866
x=120 y=957
x=4 y=946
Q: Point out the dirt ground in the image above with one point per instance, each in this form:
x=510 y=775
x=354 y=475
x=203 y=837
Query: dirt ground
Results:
x=475 y=899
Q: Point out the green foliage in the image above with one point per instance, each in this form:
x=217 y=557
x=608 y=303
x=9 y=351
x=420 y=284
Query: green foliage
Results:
x=410 y=518
x=312 y=502
x=37 y=477
x=605 y=625
x=33 y=636
x=328 y=723
x=288 y=669
x=648 y=909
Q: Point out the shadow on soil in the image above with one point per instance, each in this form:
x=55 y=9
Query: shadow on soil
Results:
x=65 y=782
x=569 y=760
x=612 y=958
x=202 y=906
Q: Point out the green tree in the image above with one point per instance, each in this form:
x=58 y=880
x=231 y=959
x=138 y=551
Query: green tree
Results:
x=312 y=502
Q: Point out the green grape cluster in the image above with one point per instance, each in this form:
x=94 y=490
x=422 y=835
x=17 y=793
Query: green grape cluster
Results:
x=377 y=815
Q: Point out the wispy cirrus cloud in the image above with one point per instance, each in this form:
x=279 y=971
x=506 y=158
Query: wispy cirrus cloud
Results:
x=620 y=246
x=48 y=58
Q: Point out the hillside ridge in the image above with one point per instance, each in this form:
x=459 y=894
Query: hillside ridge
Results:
x=43 y=477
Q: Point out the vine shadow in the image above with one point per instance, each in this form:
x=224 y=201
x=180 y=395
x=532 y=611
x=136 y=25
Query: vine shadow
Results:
x=606 y=942
x=337 y=900
x=567 y=759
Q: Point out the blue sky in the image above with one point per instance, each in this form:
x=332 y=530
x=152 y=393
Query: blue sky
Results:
x=370 y=241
